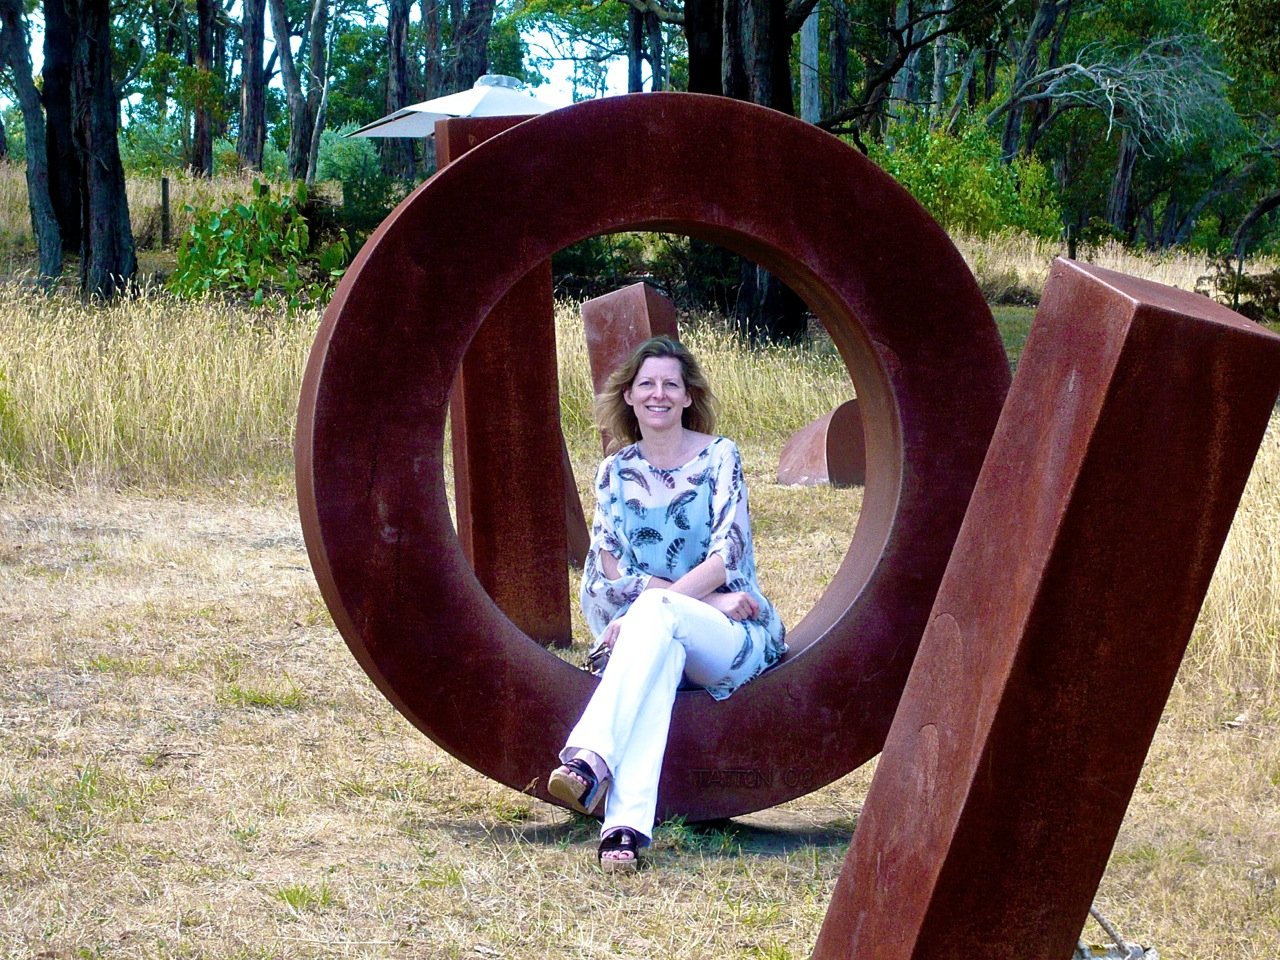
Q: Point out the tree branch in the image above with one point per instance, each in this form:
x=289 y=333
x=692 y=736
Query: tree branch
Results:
x=658 y=10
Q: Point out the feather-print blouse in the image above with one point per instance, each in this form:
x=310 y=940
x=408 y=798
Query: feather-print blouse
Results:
x=664 y=522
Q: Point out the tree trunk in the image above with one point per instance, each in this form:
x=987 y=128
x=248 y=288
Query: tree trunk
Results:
x=757 y=67
x=225 y=102
x=941 y=69
x=317 y=80
x=1118 y=197
x=839 y=42
x=433 y=68
x=635 y=49
x=253 y=87
x=1260 y=209
x=757 y=53
x=299 y=119
x=4 y=141
x=398 y=154
x=471 y=45
x=657 y=52
x=904 y=85
x=1028 y=64
x=704 y=33
x=202 y=144
x=44 y=222
x=810 y=92
x=60 y=144
x=107 y=262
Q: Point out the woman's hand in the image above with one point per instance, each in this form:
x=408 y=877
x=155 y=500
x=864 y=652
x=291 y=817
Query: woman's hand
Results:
x=735 y=606
x=610 y=635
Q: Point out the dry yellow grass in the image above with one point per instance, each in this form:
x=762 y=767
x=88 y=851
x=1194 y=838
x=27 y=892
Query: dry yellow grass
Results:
x=145 y=391
x=1019 y=264
x=192 y=764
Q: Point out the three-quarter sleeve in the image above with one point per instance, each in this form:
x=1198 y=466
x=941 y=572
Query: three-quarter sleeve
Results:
x=604 y=599
x=730 y=525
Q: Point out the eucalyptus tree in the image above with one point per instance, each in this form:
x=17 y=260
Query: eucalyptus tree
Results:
x=108 y=264
x=304 y=82
x=252 y=136
x=14 y=55
x=1249 y=34
x=399 y=158
x=60 y=147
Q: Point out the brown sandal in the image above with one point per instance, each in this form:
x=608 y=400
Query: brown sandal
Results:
x=575 y=784
x=624 y=841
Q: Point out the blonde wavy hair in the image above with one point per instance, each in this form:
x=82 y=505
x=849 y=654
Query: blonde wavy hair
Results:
x=614 y=415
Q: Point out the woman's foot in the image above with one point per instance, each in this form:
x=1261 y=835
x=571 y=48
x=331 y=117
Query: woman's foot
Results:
x=619 y=852
x=575 y=784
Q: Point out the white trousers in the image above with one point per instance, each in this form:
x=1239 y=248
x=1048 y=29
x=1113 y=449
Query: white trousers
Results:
x=662 y=637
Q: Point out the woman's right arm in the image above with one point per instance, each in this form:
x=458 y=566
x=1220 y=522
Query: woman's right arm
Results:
x=609 y=564
x=611 y=580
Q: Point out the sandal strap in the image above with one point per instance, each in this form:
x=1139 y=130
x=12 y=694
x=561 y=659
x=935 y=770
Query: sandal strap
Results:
x=622 y=840
x=583 y=769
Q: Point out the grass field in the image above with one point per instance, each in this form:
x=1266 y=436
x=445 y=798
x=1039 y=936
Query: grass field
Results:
x=193 y=765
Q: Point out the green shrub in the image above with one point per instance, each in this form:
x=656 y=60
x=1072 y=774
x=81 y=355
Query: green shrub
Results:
x=368 y=194
x=961 y=180
x=261 y=248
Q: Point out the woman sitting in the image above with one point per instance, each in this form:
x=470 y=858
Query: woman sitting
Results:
x=669 y=590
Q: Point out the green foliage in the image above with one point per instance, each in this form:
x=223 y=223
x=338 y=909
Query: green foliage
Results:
x=368 y=194
x=151 y=147
x=962 y=181
x=15 y=133
x=508 y=52
x=358 y=75
x=1249 y=31
x=696 y=275
x=261 y=248
x=597 y=265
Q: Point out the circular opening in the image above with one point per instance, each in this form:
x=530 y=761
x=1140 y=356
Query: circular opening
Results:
x=902 y=310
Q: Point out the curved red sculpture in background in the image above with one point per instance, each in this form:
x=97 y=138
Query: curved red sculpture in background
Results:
x=901 y=306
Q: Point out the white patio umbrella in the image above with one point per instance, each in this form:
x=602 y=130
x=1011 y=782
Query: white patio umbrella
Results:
x=493 y=95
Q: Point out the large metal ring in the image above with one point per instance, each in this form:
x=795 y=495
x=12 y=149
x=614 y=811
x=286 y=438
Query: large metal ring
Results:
x=901 y=306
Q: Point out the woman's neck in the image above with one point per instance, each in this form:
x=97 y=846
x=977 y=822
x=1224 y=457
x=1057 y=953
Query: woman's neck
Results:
x=668 y=449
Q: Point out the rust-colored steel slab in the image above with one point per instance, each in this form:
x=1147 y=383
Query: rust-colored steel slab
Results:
x=508 y=452
x=922 y=351
x=830 y=449
x=615 y=324
x=619 y=322
x=575 y=521
x=1077 y=577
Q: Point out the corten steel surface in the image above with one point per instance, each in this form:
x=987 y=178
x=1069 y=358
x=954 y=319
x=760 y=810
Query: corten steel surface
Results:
x=1082 y=563
x=575 y=521
x=921 y=348
x=830 y=449
x=619 y=322
x=510 y=483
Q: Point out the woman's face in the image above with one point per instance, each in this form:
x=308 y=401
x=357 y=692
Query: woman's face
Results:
x=658 y=394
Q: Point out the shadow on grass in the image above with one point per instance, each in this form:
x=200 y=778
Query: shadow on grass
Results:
x=770 y=833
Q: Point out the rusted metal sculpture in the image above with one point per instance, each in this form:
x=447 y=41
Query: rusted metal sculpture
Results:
x=372 y=427
x=1082 y=563
x=620 y=321
x=830 y=450
x=506 y=429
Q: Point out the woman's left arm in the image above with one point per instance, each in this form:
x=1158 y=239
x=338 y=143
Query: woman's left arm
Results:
x=707 y=577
